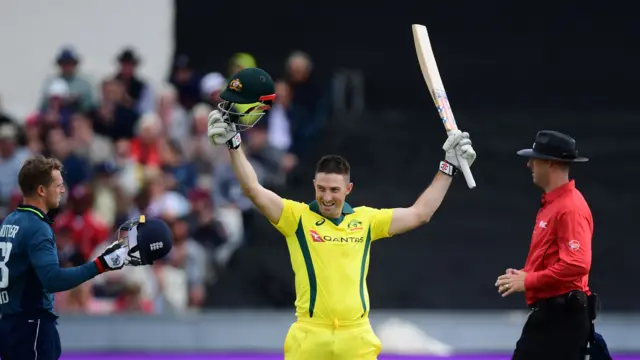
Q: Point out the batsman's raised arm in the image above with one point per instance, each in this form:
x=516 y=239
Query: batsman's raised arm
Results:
x=221 y=133
x=458 y=145
x=268 y=202
x=247 y=97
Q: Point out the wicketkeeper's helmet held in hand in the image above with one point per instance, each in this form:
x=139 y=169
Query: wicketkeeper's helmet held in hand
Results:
x=247 y=97
x=148 y=239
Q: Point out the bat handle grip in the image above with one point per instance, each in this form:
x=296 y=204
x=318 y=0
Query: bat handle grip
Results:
x=466 y=171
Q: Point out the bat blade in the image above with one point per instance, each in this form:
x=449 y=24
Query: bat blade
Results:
x=431 y=75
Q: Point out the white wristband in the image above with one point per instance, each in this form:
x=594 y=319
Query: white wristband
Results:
x=448 y=168
x=235 y=141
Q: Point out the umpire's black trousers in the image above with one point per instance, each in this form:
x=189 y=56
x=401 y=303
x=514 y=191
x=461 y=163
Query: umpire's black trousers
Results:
x=557 y=329
x=25 y=337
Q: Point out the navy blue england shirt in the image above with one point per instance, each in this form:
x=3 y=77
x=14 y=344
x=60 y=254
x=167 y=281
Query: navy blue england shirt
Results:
x=29 y=269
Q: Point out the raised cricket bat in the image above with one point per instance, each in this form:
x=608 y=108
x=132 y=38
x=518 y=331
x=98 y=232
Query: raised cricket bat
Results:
x=436 y=88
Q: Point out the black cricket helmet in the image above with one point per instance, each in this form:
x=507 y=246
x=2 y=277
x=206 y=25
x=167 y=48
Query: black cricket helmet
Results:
x=147 y=240
x=247 y=97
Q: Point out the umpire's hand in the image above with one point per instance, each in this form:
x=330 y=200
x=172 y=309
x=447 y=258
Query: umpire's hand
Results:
x=112 y=258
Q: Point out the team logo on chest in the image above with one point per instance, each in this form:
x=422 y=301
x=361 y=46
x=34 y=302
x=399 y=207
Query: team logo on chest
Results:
x=354 y=225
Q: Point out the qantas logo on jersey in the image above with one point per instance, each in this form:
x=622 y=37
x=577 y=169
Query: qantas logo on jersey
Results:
x=317 y=238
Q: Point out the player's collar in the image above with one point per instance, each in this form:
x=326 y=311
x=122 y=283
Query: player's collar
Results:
x=35 y=210
x=346 y=209
x=558 y=192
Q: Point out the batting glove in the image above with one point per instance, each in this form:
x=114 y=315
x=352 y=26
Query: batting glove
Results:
x=112 y=258
x=458 y=146
x=221 y=132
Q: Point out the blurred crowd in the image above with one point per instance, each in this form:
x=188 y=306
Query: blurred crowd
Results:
x=129 y=149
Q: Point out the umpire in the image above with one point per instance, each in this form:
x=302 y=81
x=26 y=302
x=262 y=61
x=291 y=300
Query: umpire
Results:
x=556 y=273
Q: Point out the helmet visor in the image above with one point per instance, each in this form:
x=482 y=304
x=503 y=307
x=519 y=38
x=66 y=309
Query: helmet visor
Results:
x=127 y=233
x=243 y=116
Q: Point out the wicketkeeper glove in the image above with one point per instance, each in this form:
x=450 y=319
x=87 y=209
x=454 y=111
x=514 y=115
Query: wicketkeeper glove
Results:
x=221 y=132
x=458 y=146
x=112 y=258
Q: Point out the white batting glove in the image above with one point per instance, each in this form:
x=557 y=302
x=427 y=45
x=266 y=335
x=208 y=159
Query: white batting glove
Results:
x=221 y=133
x=457 y=146
x=113 y=257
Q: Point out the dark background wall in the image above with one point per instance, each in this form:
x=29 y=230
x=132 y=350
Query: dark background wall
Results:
x=493 y=54
x=509 y=71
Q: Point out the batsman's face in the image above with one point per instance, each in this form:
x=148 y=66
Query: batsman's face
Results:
x=331 y=192
x=53 y=193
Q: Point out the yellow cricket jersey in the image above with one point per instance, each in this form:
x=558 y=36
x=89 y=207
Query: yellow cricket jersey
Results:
x=330 y=258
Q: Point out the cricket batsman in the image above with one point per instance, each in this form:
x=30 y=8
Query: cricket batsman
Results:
x=328 y=239
x=29 y=270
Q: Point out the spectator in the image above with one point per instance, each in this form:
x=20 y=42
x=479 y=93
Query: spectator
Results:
x=211 y=86
x=33 y=134
x=7 y=119
x=59 y=107
x=68 y=253
x=175 y=120
x=80 y=89
x=160 y=199
x=173 y=285
x=308 y=103
x=234 y=209
x=278 y=119
x=145 y=146
x=206 y=229
x=187 y=83
x=189 y=256
x=131 y=299
x=181 y=173
x=92 y=147
x=240 y=61
x=81 y=300
x=12 y=156
x=111 y=118
x=138 y=94
x=129 y=175
x=77 y=169
x=87 y=229
x=198 y=148
x=106 y=192
x=269 y=157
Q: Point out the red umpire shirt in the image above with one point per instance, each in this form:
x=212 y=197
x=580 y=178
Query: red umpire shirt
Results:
x=559 y=258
